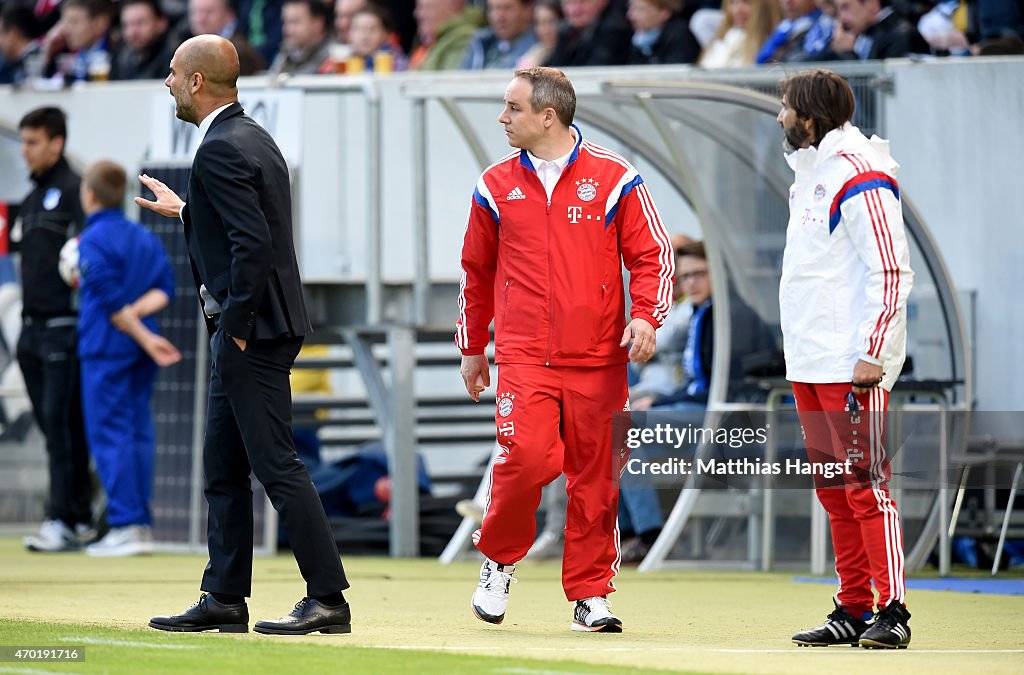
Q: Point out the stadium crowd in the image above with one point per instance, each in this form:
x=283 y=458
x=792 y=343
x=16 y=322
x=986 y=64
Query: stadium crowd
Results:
x=64 y=41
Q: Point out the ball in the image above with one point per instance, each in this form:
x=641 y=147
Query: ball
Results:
x=68 y=266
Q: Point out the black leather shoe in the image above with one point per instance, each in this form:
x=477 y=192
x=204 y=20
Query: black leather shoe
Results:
x=309 y=616
x=207 y=614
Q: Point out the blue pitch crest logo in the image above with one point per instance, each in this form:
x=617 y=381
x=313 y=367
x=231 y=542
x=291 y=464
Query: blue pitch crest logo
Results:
x=505 y=405
x=51 y=199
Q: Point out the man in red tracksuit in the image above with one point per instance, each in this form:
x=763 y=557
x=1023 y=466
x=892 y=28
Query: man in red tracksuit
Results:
x=549 y=228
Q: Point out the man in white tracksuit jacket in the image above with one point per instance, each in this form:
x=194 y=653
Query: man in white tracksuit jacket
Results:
x=845 y=281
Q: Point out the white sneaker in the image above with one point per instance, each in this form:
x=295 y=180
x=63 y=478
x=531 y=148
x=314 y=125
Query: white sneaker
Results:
x=547 y=545
x=123 y=541
x=491 y=597
x=54 y=536
x=594 y=615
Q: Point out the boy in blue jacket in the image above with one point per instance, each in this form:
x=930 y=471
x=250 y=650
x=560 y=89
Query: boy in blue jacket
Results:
x=126 y=278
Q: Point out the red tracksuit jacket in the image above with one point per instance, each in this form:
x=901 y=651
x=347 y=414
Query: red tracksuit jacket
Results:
x=550 y=272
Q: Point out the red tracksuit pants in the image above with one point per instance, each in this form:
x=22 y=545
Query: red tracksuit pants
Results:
x=866 y=533
x=560 y=420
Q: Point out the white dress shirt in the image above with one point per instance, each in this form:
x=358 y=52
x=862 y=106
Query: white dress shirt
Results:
x=210 y=305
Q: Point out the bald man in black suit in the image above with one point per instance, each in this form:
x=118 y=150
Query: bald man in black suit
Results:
x=238 y=228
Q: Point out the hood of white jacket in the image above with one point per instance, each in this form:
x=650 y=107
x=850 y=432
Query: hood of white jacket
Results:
x=845 y=139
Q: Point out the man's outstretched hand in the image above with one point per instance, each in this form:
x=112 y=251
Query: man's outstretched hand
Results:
x=167 y=202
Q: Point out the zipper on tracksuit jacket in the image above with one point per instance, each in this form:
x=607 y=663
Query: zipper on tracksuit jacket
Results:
x=551 y=301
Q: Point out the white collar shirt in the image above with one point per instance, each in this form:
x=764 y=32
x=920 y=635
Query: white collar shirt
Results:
x=207 y=122
x=549 y=171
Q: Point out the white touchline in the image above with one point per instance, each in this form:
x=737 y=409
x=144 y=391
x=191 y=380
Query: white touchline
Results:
x=907 y=652
x=534 y=671
x=32 y=671
x=681 y=650
x=126 y=643
x=475 y=648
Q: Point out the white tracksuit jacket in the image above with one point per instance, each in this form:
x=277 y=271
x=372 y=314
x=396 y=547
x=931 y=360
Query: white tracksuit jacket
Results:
x=846 y=269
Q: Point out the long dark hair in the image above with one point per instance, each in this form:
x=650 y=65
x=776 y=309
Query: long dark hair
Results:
x=819 y=95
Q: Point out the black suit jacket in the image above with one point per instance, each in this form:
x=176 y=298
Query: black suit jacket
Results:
x=238 y=228
x=606 y=42
x=895 y=37
x=891 y=38
x=676 y=44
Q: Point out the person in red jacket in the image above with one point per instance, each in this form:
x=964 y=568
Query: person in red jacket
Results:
x=549 y=229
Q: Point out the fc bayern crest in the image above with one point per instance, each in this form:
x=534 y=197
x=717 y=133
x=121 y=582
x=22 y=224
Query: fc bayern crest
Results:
x=586 y=189
x=819 y=192
x=505 y=405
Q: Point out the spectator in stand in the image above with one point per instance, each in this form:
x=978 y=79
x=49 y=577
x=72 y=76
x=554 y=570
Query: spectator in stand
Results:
x=344 y=12
x=147 y=51
x=869 y=29
x=595 y=33
x=506 y=38
x=85 y=28
x=659 y=34
x=547 y=14
x=403 y=24
x=804 y=32
x=746 y=26
x=307 y=41
x=445 y=27
x=261 y=24
x=217 y=17
x=19 y=43
x=749 y=334
x=374 y=46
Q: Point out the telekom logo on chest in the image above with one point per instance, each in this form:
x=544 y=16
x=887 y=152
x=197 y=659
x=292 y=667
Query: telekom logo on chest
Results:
x=575 y=215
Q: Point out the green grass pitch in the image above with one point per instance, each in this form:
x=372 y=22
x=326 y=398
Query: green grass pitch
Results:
x=412 y=616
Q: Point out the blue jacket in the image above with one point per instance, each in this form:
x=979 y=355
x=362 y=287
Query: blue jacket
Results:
x=485 y=50
x=119 y=261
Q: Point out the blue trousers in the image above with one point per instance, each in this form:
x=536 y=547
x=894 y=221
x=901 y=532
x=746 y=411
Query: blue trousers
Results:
x=639 y=509
x=116 y=393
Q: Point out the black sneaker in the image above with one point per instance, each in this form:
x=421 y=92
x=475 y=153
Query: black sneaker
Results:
x=841 y=628
x=890 y=630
